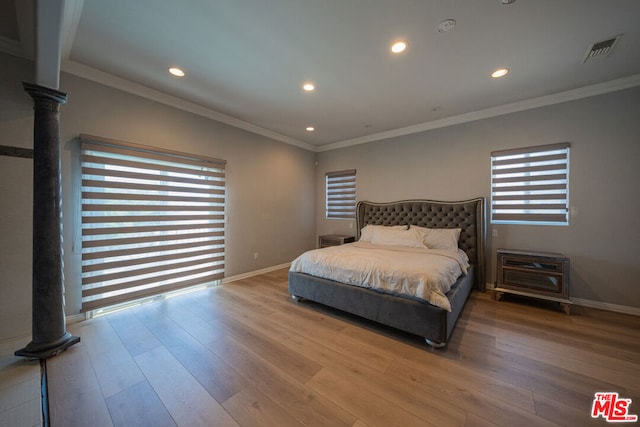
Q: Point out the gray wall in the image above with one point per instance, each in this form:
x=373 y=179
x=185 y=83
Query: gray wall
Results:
x=16 y=194
x=453 y=164
x=270 y=185
x=275 y=198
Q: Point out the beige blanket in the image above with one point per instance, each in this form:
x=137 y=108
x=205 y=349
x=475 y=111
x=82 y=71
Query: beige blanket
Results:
x=426 y=274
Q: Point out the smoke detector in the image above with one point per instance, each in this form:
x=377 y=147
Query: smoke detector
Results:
x=446 y=25
x=601 y=49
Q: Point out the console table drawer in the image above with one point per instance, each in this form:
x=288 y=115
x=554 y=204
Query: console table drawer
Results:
x=538 y=280
x=534 y=274
x=334 y=240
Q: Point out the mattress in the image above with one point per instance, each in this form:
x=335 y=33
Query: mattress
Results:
x=418 y=273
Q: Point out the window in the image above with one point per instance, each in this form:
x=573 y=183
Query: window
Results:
x=530 y=185
x=341 y=194
x=152 y=221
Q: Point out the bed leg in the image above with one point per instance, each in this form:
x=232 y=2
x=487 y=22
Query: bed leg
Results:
x=296 y=298
x=435 y=344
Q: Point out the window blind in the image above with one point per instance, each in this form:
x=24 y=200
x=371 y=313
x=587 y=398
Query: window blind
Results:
x=341 y=194
x=531 y=185
x=152 y=221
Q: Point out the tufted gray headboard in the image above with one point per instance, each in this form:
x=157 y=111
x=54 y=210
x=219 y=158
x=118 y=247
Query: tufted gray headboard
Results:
x=467 y=215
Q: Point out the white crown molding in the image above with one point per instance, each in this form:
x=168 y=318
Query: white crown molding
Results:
x=110 y=80
x=543 y=101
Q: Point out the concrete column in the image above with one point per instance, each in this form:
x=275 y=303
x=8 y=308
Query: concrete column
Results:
x=49 y=335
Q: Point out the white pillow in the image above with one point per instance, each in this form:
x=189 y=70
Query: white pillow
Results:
x=366 y=234
x=439 y=238
x=397 y=237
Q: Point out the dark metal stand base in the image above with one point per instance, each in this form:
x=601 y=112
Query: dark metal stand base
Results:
x=47 y=350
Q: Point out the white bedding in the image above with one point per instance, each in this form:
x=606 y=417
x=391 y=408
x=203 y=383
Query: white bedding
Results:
x=421 y=273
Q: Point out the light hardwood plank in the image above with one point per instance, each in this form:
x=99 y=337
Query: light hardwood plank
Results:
x=16 y=393
x=363 y=377
x=186 y=400
x=245 y=353
x=27 y=413
x=562 y=414
x=138 y=406
x=476 y=421
x=371 y=408
x=299 y=367
x=300 y=401
x=16 y=370
x=602 y=368
x=450 y=386
x=370 y=355
x=542 y=378
x=253 y=408
x=114 y=367
x=448 y=376
x=20 y=387
x=215 y=375
x=135 y=337
x=75 y=397
x=471 y=400
x=200 y=326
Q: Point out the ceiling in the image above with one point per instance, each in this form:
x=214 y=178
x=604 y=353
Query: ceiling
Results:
x=246 y=60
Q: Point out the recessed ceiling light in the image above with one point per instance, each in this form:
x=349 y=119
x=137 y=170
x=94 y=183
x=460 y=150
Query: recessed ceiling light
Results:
x=399 y=46
x=310 y=128
x=500 y=72
x=176 y=71
x=507 y=1
x=309 y=87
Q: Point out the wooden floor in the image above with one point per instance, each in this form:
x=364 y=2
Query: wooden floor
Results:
x=245 y=354
x=20 y=391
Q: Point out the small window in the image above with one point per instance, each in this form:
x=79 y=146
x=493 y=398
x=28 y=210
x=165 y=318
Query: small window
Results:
x=341 y=194
x=530 y=185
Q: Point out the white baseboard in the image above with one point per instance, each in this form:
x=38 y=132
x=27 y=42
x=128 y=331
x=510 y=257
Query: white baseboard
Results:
x=624 y=309
x=80 y=317
x=254 y=273
x=634 y=311
x=75 y=318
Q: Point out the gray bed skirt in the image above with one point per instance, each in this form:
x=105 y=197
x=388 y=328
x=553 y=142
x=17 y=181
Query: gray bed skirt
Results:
x=409 y=315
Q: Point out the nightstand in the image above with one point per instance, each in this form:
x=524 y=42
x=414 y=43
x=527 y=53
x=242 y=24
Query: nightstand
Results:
x=334 y=240
x=534 y=274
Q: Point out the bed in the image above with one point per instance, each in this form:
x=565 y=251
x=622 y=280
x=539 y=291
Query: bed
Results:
x=410 y=314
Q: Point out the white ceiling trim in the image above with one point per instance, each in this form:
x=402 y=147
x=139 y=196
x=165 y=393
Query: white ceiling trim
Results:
x=543 y=101
x=110 y=80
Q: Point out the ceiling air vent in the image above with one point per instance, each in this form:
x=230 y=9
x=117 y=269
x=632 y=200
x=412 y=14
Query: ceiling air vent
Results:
x=601 y=49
